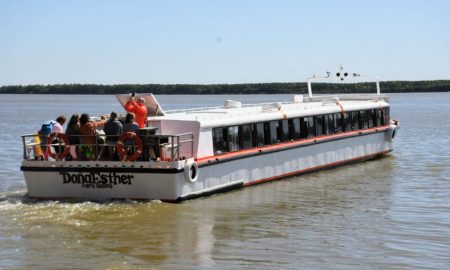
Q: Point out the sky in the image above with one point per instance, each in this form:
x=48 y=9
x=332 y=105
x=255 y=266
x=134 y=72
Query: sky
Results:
x=212 y=41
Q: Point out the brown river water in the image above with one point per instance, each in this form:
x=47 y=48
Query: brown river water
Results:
x=388 y=213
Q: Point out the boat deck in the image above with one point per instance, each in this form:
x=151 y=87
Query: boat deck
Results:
x=303 y=106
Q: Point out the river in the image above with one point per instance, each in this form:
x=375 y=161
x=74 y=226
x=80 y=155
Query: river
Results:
x=388 y=213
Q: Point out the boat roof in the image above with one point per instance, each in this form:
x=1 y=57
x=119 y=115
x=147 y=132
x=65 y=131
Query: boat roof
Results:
x=234 y=113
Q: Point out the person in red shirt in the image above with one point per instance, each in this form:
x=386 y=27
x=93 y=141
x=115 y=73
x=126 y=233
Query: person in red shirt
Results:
x=139 y=109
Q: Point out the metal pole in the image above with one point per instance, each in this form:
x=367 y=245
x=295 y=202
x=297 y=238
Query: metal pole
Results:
x=309 y=88
x=24 y=148
x=171 y=149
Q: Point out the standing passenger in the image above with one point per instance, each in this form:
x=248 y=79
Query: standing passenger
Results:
x=139 y=109
x=48 y=128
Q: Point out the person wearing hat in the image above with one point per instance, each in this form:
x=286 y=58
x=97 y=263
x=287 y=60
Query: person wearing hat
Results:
x=138 y=108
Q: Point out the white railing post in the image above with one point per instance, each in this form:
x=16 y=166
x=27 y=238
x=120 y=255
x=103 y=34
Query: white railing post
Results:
x=309 y=88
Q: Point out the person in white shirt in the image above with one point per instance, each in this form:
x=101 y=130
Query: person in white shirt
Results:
x=57 y=127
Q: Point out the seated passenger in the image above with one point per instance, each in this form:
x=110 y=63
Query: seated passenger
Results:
x=130 y=125
x=112 y=129
x=73 y=132
x=88 y=130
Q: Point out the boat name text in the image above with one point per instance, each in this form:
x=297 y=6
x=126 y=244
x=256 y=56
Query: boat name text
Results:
x=96 y=179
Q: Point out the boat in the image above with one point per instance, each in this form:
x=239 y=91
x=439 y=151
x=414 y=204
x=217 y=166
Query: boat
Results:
x=185 y=154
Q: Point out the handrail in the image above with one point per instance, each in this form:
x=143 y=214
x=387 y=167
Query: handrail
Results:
x=222 y=107
x=377 y=81
x=32 y=145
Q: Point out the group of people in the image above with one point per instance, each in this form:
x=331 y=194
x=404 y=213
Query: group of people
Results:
x=84 y=135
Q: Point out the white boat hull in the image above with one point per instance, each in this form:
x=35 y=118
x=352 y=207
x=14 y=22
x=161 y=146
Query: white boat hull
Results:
x=167 y=181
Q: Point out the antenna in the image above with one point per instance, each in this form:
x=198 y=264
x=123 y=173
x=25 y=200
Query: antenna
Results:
x=341 y=75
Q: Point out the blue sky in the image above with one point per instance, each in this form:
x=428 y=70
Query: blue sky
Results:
x=111 y=42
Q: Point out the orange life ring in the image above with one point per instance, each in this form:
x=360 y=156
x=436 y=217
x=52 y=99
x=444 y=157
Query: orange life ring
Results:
x=62 y=136
x=123 y=151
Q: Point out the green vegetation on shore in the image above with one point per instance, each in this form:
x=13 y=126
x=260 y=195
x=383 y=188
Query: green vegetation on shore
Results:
x=250 y=88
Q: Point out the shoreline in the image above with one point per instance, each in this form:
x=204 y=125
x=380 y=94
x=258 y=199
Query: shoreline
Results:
x=220 y=89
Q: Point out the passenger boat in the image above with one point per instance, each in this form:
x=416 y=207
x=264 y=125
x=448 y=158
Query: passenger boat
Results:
x=185 y=154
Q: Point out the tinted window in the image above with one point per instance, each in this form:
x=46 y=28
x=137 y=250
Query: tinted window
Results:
x=219 y=142
x=378 y=117
x=329 y=124
x=303 y=128
x=233 y=138
x=318 y=122
x=347 y=119
x=371 y=117
x=355 y=120
x=273 y=131
x=325 y=128
x=337 y=123
x=283 y=134
x=246 y=133
x=386 y=115
x=259 y=133
x=294 y=128
x=309 y=127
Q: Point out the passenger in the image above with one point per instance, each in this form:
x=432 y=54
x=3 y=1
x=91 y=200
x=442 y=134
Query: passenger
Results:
x=112 y=129
x=73 y=132
x=130 y=125
x=88 y=130
x=138 y=108
x=51 y=127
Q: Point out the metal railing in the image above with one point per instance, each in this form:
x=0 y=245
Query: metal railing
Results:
x=205 y=109
x=164 y=147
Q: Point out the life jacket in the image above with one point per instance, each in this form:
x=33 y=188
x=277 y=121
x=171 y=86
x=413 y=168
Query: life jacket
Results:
x=47 y=127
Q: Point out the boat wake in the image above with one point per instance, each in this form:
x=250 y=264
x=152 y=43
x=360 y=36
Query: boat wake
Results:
x=13 y=199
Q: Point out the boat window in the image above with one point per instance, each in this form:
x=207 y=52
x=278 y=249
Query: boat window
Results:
x=371 y=118
x=283 y=130
x=246 y=134
x=233 y=138
x=294 y=128
x=347 y=121
x=308 y=127
x=329 y=124
x=364 y=119
x=325 y=128
x=337 y=123
x=219 y=142
x=273 y=131
x=386 y=115
x=378 y=117
x=259 y=133
x=303 y=128
x=355 y=120
x=318 y=123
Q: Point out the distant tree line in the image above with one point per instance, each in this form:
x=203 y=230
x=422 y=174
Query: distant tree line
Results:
x=250 y=88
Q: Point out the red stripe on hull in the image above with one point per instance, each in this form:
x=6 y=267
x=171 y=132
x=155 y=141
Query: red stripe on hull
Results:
x=333 y=164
